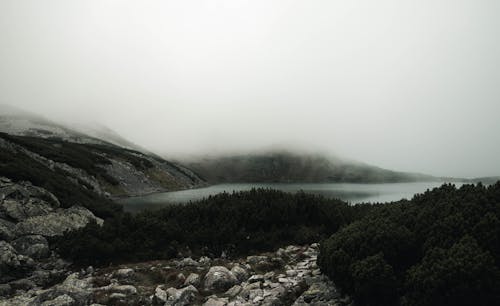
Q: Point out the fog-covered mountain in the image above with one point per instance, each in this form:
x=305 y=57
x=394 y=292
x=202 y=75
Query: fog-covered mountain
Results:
x=34 y=148
x=286 y=166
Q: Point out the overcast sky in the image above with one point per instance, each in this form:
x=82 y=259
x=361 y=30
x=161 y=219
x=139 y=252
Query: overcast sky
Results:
x=406 y=85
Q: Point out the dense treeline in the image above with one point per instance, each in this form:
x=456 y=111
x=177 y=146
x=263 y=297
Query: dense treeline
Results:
x=237 y=223
x=440 y=248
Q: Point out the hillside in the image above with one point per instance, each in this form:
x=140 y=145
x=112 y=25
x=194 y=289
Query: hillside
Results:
x=287 y=167
x=32 y=147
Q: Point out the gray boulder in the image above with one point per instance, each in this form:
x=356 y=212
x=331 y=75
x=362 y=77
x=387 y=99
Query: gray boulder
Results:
x=219 y=279
x=19 y=210
x=56 y=223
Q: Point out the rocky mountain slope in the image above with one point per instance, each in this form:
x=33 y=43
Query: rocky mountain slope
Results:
x=100 y=166
x=287 y=167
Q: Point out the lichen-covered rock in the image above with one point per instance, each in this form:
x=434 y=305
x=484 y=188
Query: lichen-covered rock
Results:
x=34 y=246
x=56 y=223
x=219 y=279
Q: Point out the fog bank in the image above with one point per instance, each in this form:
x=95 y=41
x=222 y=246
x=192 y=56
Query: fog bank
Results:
x=404 y=85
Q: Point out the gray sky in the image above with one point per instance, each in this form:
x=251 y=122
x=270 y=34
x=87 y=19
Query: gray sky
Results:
x=405 y=85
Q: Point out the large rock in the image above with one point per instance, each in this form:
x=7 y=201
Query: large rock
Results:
x=219 y=279
x=19 y=201
x=56 y=223
x=34 y=246
x=25 y=190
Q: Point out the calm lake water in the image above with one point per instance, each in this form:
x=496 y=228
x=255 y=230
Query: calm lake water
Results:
x=353 y=193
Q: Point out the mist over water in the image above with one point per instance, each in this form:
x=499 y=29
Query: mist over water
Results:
x=404 y=85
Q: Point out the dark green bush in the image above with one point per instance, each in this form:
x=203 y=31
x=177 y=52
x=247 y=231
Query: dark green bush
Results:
x=238 y=223
x=442 y=248
x=464 y=274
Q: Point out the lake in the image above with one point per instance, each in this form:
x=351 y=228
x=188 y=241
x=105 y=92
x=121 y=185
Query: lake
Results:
x=352 y=193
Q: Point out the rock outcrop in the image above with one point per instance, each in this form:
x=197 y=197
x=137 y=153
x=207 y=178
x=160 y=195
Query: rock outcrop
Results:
x=28 y=216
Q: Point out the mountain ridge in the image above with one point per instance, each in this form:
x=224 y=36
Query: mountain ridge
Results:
x=284 y=166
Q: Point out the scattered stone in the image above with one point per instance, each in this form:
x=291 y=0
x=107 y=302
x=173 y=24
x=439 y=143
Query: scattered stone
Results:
x=204 y=260
x=181 y=297
x=240 y=273
x=125 y=273
x=219 y=279
x=193 y=279
x=256 y=278
x=160 y=296
x=188 y=262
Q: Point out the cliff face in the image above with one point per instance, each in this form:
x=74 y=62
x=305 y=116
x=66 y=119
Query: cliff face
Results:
x=102 y=167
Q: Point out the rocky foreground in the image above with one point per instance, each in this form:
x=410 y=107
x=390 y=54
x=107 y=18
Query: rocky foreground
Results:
x=288 y=276
x=33 y=274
